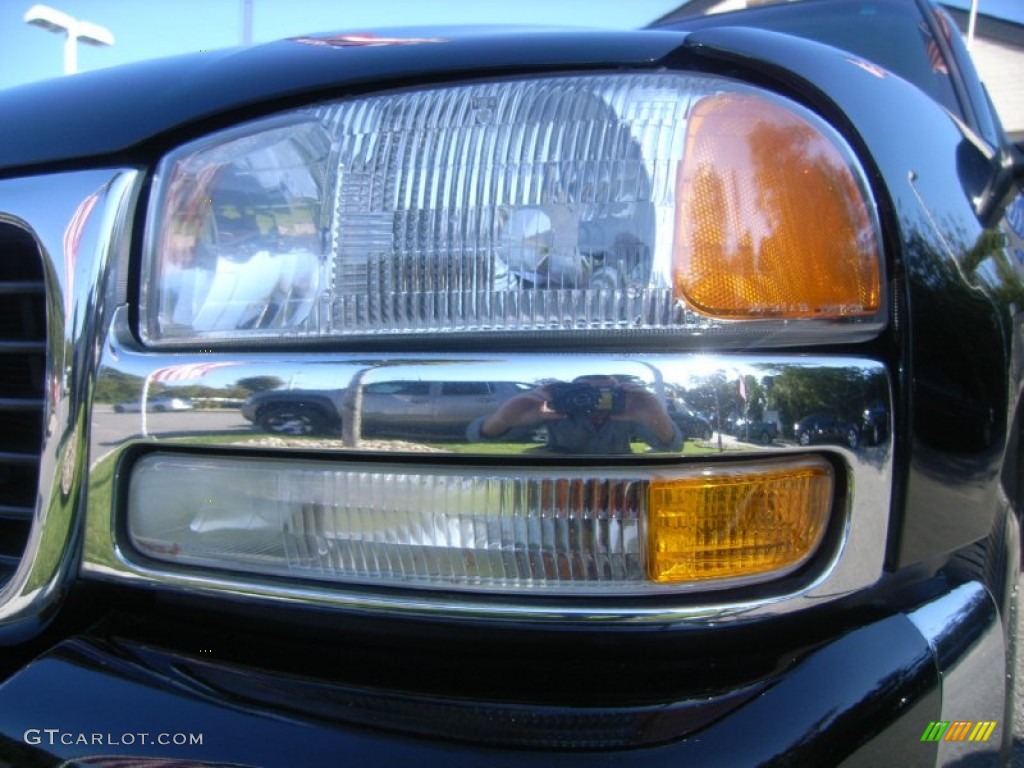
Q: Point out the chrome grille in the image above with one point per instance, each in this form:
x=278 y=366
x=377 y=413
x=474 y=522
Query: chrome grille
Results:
x=22 y=377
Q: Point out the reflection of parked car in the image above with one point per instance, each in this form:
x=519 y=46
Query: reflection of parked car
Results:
x=690 y=423
x=755 y=430
x=823 y=427
x=156 y=404
x=426 y=408
x=875 y=423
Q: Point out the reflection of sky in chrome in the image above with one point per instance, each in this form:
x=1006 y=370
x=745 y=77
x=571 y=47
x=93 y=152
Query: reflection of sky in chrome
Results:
x=563 y=368
x=319 y=373
x=532 y=369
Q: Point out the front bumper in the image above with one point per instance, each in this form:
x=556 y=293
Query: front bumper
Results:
x=863 y=697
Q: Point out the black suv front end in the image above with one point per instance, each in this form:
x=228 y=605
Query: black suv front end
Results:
x=727 y=217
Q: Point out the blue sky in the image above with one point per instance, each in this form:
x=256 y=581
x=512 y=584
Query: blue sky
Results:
x=1009 y=9
x=149 y=28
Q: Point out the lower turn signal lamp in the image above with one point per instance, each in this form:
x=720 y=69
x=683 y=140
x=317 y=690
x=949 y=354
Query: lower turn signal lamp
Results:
x=559 y=530
x=739 y=523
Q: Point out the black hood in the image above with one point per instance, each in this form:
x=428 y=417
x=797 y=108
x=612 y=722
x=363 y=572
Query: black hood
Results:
x=106 y=115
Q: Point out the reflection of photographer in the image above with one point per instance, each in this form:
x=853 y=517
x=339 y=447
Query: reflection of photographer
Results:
x=594 y=414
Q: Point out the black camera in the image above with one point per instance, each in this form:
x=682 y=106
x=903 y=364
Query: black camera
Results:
x=582 y=399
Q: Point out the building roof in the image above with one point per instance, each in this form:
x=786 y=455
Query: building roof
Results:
x=998 y=20
x=1011 y=11
x=998 y=53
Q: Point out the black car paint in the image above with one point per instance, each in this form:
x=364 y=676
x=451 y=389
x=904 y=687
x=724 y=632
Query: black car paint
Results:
x=961 y=317
x=134 y=112
x=835 y=702
x=836 y=699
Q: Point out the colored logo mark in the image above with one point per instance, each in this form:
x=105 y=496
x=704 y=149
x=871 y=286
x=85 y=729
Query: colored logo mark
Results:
x=959 y=730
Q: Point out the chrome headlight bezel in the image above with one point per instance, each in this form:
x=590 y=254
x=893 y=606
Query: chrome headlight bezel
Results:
x=850 y=559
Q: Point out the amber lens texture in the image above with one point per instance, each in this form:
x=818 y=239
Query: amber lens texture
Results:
x=770 y=219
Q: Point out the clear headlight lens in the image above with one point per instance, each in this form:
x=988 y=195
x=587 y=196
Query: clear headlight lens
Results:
x=239 y=236
x=591 y=203
x=569 y=531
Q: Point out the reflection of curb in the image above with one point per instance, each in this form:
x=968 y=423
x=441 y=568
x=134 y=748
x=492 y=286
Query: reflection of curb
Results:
x=334 y=444
x=729 y=443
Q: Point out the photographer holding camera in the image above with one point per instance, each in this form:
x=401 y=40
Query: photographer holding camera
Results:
x=595 y=414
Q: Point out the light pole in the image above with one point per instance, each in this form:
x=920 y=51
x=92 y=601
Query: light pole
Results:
x=972 y=21
x=246 y=22
x=74 y=30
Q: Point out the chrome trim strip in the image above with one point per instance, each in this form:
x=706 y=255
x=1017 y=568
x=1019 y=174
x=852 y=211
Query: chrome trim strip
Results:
x=132 y=375
x=965 y=634
x=78 y=233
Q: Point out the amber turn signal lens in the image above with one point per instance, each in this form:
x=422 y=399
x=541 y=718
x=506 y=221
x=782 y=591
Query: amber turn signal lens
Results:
x=738 y=523
x=771 y=220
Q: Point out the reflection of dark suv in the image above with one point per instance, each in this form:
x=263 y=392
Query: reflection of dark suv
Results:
x=875 y=423
x=753 y=430
x=690 y=423
x=427 y=408
x=823 y=427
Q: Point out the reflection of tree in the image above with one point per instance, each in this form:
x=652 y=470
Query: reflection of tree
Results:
x=959 y=352
x=792 y=391
x=989 y=262
x=118 y=387
x=115 y=387
x=797 y=392
x=757 y=398
x=702 y=398
x=722 y=392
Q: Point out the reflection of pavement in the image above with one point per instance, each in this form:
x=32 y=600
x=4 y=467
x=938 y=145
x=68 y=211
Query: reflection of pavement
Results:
x=109 y=428
x=729 y=443
x=733 y=443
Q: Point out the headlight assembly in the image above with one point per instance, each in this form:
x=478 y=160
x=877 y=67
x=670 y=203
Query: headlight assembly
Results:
x=667 y=203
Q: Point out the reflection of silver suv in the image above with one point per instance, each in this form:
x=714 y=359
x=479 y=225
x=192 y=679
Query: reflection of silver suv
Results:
x=400 y=407
x=157 y=404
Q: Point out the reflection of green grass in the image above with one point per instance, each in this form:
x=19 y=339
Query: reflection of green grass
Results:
x=100 y=509
x=101 y=482
x=53 y=546
x=489 y=449
x=690 y=448
x=221 y=439
x=313 y=442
